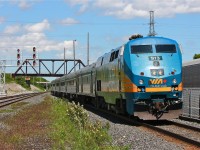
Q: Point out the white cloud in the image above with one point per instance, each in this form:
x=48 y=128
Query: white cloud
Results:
x=82 y=3
x=68 y=54
x=12 y=29
x=27 y=36
x=24 y=4
x=128 y=9
x=78 y=2
x=69 y=21
x=38 y=27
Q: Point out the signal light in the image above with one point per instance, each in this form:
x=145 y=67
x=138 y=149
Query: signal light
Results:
x=18 y=56
x=34 y=63
x=34 y=56
x=18 y=62
x=34 y=49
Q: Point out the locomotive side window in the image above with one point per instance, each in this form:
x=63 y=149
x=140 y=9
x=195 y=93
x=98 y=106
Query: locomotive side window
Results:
x=166 y=48
x=140 y=49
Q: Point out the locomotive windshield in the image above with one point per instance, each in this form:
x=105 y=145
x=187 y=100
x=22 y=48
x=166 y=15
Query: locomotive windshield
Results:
x=139 y=49
x=165 y=49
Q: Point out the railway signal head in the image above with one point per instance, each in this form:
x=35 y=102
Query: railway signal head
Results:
x=34 y=62
x=34 y=56
x=34 y=49
x=18 y=56
x=18 y=53
x=18 y=62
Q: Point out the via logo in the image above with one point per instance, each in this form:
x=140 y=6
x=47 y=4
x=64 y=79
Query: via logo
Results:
x=157 y=81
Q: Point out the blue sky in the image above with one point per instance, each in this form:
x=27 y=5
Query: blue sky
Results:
x=51 y=25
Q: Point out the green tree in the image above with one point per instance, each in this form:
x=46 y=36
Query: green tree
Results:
x=196 y=56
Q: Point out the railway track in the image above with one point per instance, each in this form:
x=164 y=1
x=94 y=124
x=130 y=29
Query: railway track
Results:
x=5 y=101
x=165 y=127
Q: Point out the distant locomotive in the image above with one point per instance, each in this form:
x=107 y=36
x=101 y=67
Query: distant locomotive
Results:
x=142 y=78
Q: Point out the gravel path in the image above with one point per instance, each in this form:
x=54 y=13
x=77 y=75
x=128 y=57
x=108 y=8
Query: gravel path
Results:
x=133 y=136
x=35 y=142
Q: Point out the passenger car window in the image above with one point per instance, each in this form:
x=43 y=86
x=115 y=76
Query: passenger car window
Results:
x=112 y=57
x=169 y=48
x=116 y=54
x=139 y=49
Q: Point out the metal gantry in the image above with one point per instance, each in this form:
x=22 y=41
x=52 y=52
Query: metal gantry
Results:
x=24 y=68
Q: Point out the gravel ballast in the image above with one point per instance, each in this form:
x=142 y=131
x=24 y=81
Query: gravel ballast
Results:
x=134 y=137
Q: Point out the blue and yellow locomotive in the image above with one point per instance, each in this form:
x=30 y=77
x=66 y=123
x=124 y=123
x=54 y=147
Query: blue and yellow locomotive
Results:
x=142 y=78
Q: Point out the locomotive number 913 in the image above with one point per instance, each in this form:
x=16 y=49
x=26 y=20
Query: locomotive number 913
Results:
x=142 y=78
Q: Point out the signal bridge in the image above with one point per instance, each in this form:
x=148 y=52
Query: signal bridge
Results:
x=37 y=67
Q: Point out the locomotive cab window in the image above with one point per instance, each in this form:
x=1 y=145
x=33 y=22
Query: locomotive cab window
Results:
x=141 y=49
x=170 y=48
x=114 y=55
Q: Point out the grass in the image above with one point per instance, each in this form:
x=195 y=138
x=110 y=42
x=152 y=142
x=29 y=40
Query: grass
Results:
x=6 y=110
x=18 y=105
x=9 y=78
x=73 y=129
x=65 y=125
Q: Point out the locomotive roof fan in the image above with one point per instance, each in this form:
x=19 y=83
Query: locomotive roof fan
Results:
x=135 y=36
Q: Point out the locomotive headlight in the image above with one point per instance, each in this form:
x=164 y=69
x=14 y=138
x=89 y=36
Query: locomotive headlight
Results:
x=174 y=81
x=141 y=82
x=160 y=72
x=153 y=72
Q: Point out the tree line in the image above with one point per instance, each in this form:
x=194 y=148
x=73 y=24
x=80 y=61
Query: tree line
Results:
x=196 y=56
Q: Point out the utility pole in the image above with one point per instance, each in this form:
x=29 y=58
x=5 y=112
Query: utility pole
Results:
x=64 y=61
x=88 y=49
x=74 y=54
x=151 y=24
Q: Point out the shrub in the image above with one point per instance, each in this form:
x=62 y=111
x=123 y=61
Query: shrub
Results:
x=72 y=128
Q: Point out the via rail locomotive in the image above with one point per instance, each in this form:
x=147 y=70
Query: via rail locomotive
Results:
x=142 y=78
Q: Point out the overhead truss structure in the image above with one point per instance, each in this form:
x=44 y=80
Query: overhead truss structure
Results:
x=47 y=67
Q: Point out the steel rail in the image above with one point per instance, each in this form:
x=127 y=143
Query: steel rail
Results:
x=7 y=97
x=184 y=126
x=18 y=98
x=157 y=129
